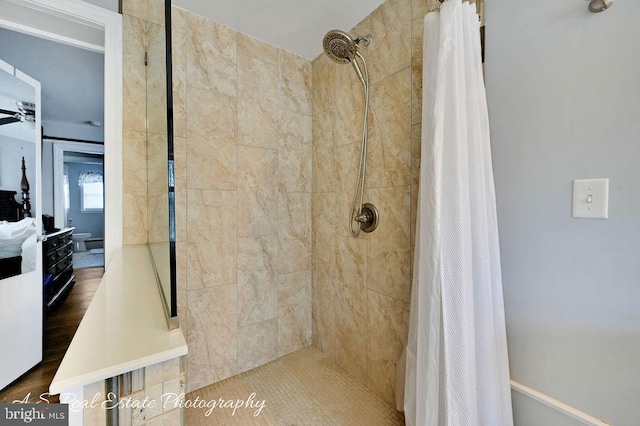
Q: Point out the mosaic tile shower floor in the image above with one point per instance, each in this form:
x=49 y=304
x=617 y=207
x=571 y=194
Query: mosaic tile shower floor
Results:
x=303 y=388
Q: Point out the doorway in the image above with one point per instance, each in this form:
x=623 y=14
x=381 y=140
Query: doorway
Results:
x=83 y=25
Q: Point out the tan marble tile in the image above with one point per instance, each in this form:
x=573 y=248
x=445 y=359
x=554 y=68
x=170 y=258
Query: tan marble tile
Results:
x=390 y=132
x=417 y=29
x=258 y=117
x=211 y=232
x=134 y=74
x=294 y=163
x=258 y=191
x=257 y=344
x=324 y=216
x=157 y=163
x=390 y=50
x=351 y=352
x=347 y=112
x=211 y=165
x=416 y=152
x=256 y=48
x=179 y=82
x=257 y=282
x=156 y=79
x=389 y=273
x=416 y=149
x=134 y=161
x=211 y=57
x=351 y=263
x=346 y=161
x=322 y=91
x=324 y=167
x=343 y=219
x=294 y=232
x=171 y=369
x=178 y=20
x=172 y=417
x=212 y=115
x=157 y=220
x=153 y=374
x=94 y=415
x=295 y=82
x=134 y=218
x=214 y=37
x=386 y=338
x=211 y=141
x=323 y=312
x=155 y=11
x=294 y=312
x=212 y=335
x=419 y=8
x=259 y=77
x=394 y=205
x=136 y=8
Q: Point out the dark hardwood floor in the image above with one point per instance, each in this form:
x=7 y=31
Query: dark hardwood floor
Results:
x=59 y=327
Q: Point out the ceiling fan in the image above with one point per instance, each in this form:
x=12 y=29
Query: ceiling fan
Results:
x=26 y=112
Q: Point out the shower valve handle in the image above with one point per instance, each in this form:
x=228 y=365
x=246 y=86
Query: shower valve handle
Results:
x=362 y=218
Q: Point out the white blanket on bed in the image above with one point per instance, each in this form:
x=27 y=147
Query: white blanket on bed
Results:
x=19 y=239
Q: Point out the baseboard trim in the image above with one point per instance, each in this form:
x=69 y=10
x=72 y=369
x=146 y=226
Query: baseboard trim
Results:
x=572 y=412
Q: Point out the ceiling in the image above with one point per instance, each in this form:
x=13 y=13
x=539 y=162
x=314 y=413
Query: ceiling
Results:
x=71 y=79
x=294 y=25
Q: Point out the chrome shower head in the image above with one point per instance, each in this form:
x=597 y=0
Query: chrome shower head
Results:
x=339 y=46
x=596 y=6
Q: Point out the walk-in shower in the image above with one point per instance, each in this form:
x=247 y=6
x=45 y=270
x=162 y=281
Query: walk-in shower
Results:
x=341 y=48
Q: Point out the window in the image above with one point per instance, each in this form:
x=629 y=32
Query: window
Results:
x=67 y=201
x=92 y=197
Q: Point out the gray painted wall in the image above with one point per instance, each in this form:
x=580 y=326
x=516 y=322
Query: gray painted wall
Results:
x=564 y=95
x=83 y=222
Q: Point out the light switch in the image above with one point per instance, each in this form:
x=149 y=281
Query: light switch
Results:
x=591 y=198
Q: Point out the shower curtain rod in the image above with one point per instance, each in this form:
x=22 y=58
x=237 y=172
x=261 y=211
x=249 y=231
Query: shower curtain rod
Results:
x=56 y=138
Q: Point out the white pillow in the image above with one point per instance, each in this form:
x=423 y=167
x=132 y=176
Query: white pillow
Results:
x=13 y=234
x=29 y=253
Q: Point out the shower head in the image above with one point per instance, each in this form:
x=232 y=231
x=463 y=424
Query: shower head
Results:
x=339 y=46
x=600 y=5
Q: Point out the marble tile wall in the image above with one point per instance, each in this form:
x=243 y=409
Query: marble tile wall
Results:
x=243 y=162
x=361 y=286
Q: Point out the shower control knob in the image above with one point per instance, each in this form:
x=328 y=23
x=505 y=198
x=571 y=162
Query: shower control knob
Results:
x=368 y=219
x=362 y=218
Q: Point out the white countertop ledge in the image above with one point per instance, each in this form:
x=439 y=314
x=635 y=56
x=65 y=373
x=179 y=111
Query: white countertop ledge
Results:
x=124 y=328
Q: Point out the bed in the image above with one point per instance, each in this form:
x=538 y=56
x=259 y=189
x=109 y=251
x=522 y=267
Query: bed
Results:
x=17 y=232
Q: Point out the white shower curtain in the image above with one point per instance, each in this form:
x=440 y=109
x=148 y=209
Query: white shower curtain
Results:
x=457 y=369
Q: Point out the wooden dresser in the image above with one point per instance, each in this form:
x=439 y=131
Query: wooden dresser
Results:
x=57 y=270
